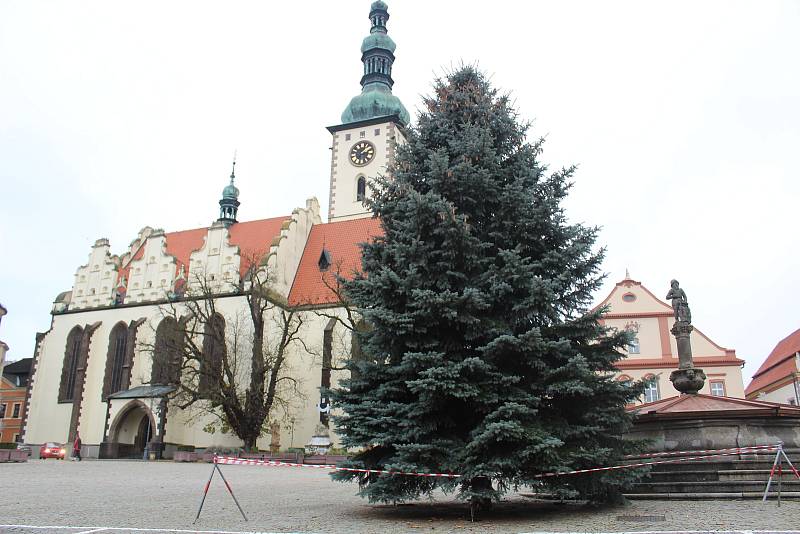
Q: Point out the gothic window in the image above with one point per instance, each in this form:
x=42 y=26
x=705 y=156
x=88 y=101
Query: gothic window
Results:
x=69 y=371
x=633 y=346
x=167 y=353
x=361 y=189
x=213 y=354
x=651 y=393
x=115 y=377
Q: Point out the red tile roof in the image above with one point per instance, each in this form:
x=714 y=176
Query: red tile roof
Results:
x=255 y=237
x=341 y=239
x=693 y=406
x=779 y=364
x=252 y=237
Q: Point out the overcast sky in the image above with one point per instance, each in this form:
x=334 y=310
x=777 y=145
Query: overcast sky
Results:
x=684 y=119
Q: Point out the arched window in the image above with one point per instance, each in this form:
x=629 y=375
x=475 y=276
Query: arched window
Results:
x=116 y=359
x=214 y=351
x=361 y=189
x=69 y=371
x=651 y=393
x=167 y=353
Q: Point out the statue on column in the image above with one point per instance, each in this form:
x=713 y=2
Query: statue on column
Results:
x=687 y=378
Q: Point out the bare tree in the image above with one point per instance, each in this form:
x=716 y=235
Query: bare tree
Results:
x=228 y=360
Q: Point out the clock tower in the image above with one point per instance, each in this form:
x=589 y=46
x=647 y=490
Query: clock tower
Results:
x=372 y=125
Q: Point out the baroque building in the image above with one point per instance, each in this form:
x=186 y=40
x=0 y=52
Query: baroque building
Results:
x=102 y=369
x=653 y=353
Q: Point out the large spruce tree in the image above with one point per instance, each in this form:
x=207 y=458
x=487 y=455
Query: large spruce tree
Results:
x=481 y=357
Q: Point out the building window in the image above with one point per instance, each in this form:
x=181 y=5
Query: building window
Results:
x=346 y=137
x=214 y=349
x=15 y=413
x=377 y=131
x=2 y=411
x=651 y=393
x=115 y=360
x=361 y=189
x=167 y=353
x=69 y=370
x=717 y=388
x=628 y=297
x=633 y=346
x=362 y=134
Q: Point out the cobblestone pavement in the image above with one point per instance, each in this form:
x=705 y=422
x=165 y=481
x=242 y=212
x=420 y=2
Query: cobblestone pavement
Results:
x=165 y=495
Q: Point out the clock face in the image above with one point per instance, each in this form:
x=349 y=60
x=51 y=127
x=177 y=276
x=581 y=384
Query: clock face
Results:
x=362 y=153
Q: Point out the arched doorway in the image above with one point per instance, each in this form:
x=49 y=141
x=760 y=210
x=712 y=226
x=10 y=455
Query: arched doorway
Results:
x=132 y=429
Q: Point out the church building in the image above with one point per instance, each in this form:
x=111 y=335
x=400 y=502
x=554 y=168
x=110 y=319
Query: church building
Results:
x=94 y=371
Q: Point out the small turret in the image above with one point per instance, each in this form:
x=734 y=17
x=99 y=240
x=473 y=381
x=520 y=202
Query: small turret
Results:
x=229 y=204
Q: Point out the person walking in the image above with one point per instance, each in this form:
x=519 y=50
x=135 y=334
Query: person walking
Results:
x=76 y=448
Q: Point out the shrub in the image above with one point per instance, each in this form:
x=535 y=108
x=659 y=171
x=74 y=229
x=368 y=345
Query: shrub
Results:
x=7 y=445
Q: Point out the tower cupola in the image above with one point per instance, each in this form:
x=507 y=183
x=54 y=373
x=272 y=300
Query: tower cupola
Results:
x=377 y=55
x=229 y=203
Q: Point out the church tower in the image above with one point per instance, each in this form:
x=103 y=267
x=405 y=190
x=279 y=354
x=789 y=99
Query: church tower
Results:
x=372 y=125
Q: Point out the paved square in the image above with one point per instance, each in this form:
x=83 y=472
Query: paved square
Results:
x=132 y=495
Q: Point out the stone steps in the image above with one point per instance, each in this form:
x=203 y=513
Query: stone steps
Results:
x=742 y=477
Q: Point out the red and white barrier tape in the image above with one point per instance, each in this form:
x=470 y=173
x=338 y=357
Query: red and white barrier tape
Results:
x=718 y=452
x=643 y=464
x=269 y=463
x=702 y=451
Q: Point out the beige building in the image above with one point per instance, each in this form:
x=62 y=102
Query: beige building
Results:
x=653 y=354
x=777 y=378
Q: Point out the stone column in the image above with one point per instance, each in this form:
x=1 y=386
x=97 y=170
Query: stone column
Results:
x=687 y=378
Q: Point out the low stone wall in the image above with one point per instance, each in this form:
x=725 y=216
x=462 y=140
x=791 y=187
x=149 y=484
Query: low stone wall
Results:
x=716 y=433
x=13 y=455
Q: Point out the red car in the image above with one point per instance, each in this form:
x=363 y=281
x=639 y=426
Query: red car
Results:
x=52 y=450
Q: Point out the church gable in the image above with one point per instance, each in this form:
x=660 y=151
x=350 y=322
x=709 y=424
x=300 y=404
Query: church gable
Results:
x=215 y=265
x=152 y=274
x=94 y=282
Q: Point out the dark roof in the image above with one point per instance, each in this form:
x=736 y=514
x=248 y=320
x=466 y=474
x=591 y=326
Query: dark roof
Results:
x=143 y=392
x=19 y=367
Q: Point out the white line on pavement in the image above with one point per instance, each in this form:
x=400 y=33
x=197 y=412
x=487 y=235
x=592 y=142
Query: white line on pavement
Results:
x=84 y=530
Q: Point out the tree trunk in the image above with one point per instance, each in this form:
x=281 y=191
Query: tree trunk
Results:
x=478 y=503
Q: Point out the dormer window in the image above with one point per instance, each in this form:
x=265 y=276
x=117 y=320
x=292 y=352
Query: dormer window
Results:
x=324 y=260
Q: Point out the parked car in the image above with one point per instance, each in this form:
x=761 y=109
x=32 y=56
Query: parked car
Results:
x=52 y=450
x=23 y=447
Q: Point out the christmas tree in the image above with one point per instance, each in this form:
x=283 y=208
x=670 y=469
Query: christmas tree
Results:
x=482 y=357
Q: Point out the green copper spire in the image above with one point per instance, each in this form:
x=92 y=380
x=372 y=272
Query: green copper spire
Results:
x=377 y=54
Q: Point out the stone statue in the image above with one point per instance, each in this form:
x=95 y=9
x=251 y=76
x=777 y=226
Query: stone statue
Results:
x=687 y=378
x=680 y=305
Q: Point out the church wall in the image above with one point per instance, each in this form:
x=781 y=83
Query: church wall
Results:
x=49 y=419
